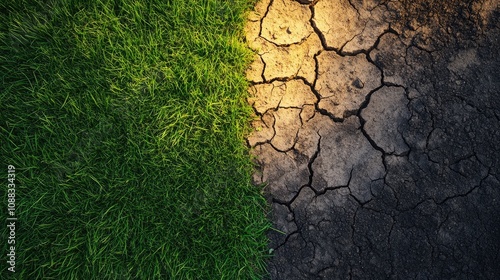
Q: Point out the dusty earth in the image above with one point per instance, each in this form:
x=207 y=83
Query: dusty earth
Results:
x=377 y=133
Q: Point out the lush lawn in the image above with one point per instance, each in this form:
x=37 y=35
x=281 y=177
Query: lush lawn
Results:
x=125 y=121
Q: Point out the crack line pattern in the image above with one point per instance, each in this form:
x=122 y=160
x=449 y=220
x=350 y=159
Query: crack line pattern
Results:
x=376 y=134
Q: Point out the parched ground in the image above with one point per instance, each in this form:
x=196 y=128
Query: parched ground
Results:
x=378 y=133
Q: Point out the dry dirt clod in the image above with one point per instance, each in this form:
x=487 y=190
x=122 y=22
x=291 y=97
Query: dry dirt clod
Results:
x=263 y=130
x=286 y=126
x=294 y=60
x=386 y=117
x=287 y=22
x=337 y=21
x=344 y=82
x=254 y=71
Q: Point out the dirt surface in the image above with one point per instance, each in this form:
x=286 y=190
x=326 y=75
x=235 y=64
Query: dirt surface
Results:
x=377 y=132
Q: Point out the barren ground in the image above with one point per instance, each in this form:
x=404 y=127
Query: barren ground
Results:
x=377 y=133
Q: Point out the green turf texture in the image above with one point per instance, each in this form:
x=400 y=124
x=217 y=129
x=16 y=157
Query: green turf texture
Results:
x=125 y=121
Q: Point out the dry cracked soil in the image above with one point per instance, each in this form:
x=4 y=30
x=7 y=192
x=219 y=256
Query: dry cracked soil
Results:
x=376 y=134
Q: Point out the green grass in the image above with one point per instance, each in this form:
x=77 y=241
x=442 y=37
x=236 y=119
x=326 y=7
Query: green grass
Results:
x=125 y=121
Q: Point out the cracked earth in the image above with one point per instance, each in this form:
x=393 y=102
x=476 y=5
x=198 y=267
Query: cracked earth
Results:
x=376 y=134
